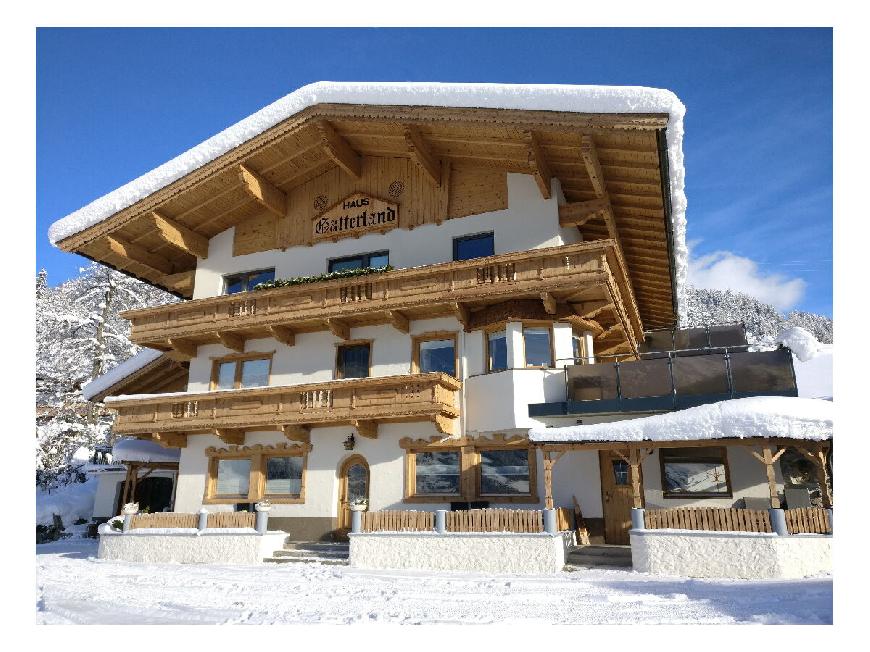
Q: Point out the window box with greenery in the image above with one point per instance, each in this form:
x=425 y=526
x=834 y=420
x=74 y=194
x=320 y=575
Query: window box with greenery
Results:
x=695 y=472
x=247 y=474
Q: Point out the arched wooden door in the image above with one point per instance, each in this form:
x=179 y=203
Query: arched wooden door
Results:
x=353 y=483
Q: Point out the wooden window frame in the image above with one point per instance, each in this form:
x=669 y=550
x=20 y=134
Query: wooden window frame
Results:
x=436 y=446
x=257 y=481
x=689 y=495
x=538 y=324
x=431 y=336
x=336 y=374
x=531 y=497
x=240 y=358
x=494 y=328
x=249 y=273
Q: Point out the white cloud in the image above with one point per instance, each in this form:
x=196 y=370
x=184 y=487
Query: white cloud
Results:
x=724 y=270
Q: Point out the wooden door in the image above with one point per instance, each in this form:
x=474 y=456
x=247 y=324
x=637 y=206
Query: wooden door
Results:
x=353 y=483
x=616 y=497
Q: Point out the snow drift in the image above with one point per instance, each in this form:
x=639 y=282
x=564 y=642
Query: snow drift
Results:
x=71 y=502
x=131 y=449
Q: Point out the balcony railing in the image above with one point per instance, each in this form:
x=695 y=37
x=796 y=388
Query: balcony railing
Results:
x=673 y=382
x=416 y=293
x=418 y=397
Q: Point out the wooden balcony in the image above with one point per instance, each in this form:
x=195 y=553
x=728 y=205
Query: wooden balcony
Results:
x=360 y=402
x=563 y=281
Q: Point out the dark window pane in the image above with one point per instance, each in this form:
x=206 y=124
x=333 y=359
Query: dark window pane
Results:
x=226 y=375
x=357 y=482
x=438 y=355
x=592 y=382
x=341 y=264
x=353 y=361
x=380 y=259
x=260 y=277
x=645 y=378
x=620 y=472
x=437 y=473
x=537 y=343
x=577 y=347
x=255 y=373
x=473 y=246
x=703 y=374
x=504 y=472
x=284 y=475
x=762 y=371
x=246 y=281
x=233 y=477
x=694 y=471
x=235 y=285
x=497 y=351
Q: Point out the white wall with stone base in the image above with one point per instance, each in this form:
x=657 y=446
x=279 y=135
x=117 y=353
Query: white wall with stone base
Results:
x=740 y=555
x=189 y=546
x=495 y=552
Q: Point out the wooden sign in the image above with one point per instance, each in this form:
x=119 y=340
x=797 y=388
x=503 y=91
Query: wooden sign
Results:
x=354 y=216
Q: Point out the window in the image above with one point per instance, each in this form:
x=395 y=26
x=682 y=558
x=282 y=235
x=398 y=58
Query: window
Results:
x=435 y=352
x=577 y=347
x=352 y=360
x=695 y=472
x=245 y=281
x=504 y=472
x=241 y=371
x=244 y=476
x=496 y=351
x=473 y=246
x=536 y=340
x=437 y=473
x=360 y=261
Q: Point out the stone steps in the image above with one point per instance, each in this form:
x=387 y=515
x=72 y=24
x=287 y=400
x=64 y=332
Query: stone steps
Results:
x=311 y=552
x=598 y=556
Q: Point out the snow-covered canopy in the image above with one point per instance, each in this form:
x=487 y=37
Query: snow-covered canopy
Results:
x=761 y=416
x=141 y=450
x=542 y=97
x=119 y=372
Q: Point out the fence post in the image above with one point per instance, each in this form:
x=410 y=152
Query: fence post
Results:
x=128 y=520
x=441 y=521
x=637 y=521
x=262 y=522
x=550 y=526
x=202 y=522
x=355 y=522
x=777 y=521
x=830 y=511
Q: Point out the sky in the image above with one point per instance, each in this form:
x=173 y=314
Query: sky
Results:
x=114 y=103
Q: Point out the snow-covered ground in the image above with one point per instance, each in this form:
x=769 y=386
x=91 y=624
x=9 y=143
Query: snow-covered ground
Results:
x=74 y=587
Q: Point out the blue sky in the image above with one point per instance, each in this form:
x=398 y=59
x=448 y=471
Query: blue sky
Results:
x=113 y=104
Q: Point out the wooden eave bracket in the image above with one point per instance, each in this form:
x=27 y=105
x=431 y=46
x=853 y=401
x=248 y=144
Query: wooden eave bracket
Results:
x=271 y=198
x=138 y=254
x=181 y=282
x=339 y=328
x=232 y=341
x=422 y=155
x=463 y=314
x=367 y=429
x=616 y=328
x=179 y=236
x=586 y=324
x=297 y=433
x=400 y=321
x=170 y=439
x=338 y=149
x=622 y=347
x=232 y=436
x=446 y=425
x=549 y=303
x=538 y=164
x=578 y=213
x=182 y=349
x=283 y=334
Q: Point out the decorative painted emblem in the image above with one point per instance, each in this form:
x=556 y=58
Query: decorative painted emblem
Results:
x=354 y=216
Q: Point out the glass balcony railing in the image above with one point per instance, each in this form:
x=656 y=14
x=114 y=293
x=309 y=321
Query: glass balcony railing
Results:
x=673 y=380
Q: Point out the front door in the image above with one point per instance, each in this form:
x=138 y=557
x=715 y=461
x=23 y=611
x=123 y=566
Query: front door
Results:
x=353 y=484
x=616 y=497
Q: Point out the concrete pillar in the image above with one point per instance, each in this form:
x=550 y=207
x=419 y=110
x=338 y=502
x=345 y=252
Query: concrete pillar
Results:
x=262 y=522
x=441 y=521
x=128 y=519
x=515 y=347
x=830 y=512
x=202 y=522
x=777 y=521
x=563 y=344
x=356 y=522
x=589 y=346
x=550 y=526
x=637 y=522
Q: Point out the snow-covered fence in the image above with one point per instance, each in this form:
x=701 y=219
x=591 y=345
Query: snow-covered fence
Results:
x=163 y=520
x=471 y=520
x=398 y=521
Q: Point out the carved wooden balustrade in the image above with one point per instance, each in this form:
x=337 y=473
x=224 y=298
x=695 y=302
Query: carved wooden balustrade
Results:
x=578 y=272
x=360 y=402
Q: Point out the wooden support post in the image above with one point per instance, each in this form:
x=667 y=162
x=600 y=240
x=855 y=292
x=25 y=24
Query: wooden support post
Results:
x=769 y=458
x=819 y=457
x=267 y=195
x=549 y=463
x=634 y=461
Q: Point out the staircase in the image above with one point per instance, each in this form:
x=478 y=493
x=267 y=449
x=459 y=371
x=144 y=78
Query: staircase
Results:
x=598 y=556
x=310 y=552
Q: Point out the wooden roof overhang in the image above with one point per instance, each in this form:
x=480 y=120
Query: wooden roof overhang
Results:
x=160 y=375
x=612 y=169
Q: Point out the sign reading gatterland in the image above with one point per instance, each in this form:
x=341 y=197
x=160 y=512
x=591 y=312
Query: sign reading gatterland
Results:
x=355 y=215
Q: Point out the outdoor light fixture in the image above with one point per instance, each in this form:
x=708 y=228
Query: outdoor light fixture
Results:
x=349 y=442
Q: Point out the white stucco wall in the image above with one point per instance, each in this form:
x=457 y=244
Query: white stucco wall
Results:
x=496 y=552
x=740 y=555
x=529 y=222
x=500 y=401
x=142 y=545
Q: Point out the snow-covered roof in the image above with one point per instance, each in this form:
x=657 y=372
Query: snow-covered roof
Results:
x=541 y=97
x=131 y=449
x=119 y=372
x=761 y=416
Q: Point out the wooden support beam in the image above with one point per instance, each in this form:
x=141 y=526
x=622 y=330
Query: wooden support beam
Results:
x=182 y=349
x=271 y=198
x=138 y=254
x=591 y=309
x=170 y=439
x=232 y=436
x=578 y=213
x=179 y=236
x=634 y=461
x=819 y=457
x=338 y=149
x=422 y=155
x=616 y=328
x=181 y=282
x=463 y=314
x=232 y=341
x=549 y=303
x=585 y=324
x=768 y=458
x=549 y=463
x=400 y=321
x=367 y=429
x=538 y=164
x=339 y=328
x=283 y=334
x=297 y=433
x=622 y=347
